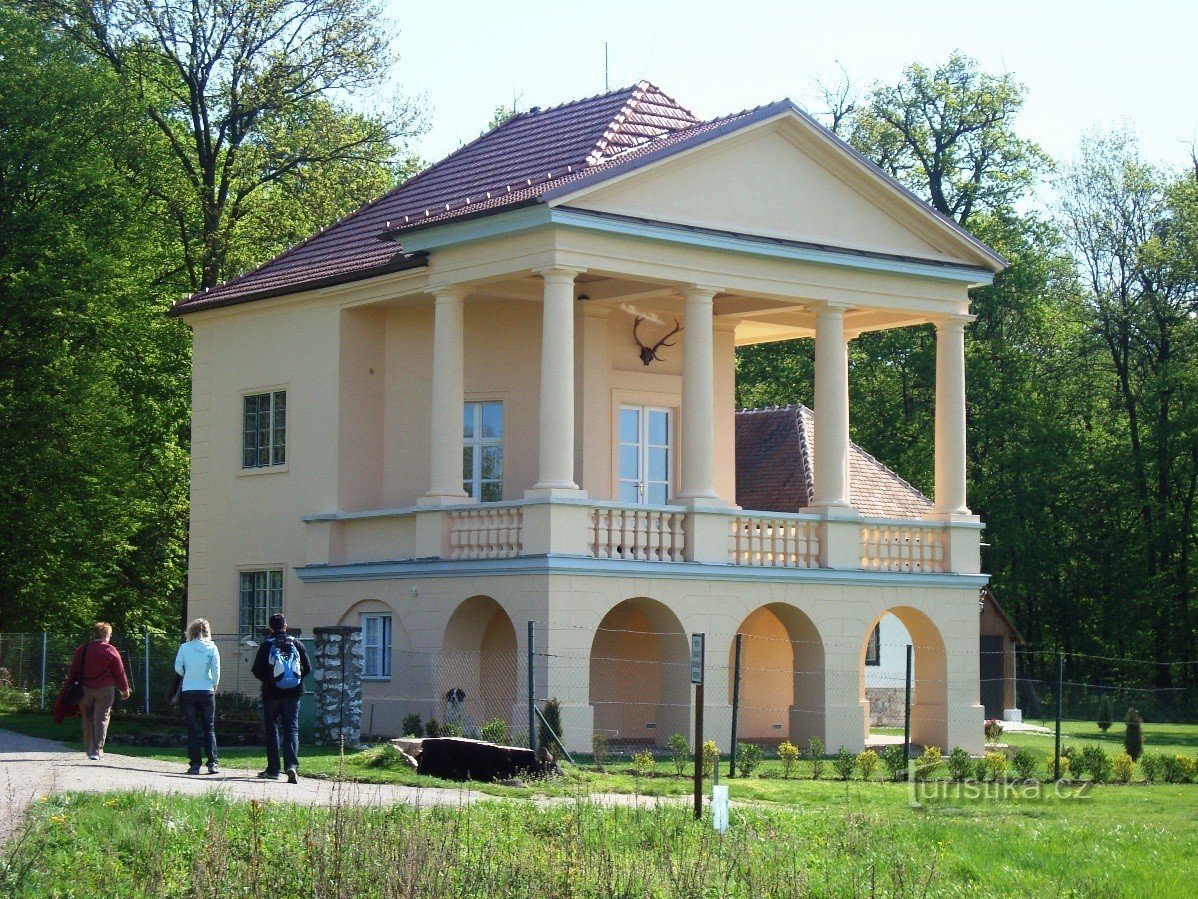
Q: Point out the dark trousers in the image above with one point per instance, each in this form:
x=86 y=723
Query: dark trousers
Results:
x=199 y=708
x=280 y=725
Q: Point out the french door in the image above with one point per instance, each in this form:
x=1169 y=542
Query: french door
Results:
x=645 y=455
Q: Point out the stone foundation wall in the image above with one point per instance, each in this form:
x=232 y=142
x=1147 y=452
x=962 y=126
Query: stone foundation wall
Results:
x=886 y=706
x=337 y=673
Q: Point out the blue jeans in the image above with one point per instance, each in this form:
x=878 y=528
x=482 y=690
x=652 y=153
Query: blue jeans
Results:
x=199 y=708
x=280 y=725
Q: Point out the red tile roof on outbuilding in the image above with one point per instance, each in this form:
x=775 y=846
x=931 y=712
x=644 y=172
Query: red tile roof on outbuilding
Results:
x=773 y=468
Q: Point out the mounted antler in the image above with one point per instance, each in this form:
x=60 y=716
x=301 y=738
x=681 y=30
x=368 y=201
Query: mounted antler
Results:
x=648 y=354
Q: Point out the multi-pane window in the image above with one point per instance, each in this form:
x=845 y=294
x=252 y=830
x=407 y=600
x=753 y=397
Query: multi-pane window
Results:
x=261 y=597
x=645 y=455
x=264 y=430
x=873 y=650
x=376 y=646
x=482 y=451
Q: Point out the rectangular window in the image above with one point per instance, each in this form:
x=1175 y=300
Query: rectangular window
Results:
x=376 y=646
x=261 y=597
x=645 y=455
x=873 y=651
x=264 y=430
x=482 y=451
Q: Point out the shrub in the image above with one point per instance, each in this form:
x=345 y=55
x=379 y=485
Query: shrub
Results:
x=748 y=757
x=995 y=765
x=600 y=748
x=1133 y=735
x=432 y=728
x=959 y=764
x=1051 y=767
x=867 y=761
x=927 y=763
x=495 y=731
x=845 y=763
x=1123 y=765
x=788 y=754
x=1025 y=763
x=815 y=748
x=552 y=713
x=412 y=725
x=711 y=757
x=642 y=763
x=1168 y=769
x=892 y=758
x=1187 y=768
x=979 y=769
x=1104 y=714
x=1098 y=763
x=1151 y=766
x=451 y=729
x=993 y=730
x=680 y=752
x=1077 y=761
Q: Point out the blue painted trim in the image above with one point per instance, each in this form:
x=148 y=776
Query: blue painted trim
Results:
x=453 y=233
x=586 y=567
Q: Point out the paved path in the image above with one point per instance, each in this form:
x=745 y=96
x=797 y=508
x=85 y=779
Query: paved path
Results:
x=31 y=767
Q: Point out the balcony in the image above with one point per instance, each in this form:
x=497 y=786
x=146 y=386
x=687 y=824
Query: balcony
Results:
x=658 y=535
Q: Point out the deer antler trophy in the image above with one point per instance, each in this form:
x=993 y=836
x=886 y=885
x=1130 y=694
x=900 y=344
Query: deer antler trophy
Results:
x=648 y=354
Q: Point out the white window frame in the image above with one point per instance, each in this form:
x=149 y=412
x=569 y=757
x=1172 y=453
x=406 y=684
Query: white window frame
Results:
x=271 y=592
x=643 y=447
x=383 y=648
x=475 y=445
x=277 y=415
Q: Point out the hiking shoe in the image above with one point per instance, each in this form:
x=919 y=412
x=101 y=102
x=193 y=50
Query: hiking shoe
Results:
x=292 y=778
x=212 y=769
x=267 y=775
x=194 y=769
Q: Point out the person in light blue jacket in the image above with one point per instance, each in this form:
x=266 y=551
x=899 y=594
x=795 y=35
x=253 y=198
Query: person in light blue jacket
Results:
x=198 y=663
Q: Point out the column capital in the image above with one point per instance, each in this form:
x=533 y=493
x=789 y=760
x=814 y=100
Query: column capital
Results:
x=558 y=272
x=700 y=292
x=830 y=306
x=448 y=293
x=953 y=320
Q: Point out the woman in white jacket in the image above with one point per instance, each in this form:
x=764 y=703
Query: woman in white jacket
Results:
x=198 y=663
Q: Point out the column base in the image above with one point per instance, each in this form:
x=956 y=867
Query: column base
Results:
x=433 y=500
x=555 y=491
x=954 y=516
x=703 y=500
x=833 y=511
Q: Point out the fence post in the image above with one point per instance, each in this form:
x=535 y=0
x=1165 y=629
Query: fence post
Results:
x=740 y=639
x=1056 y=764
x=907 y=707
x=43 y=691
x=146 y=667
x=532 y=706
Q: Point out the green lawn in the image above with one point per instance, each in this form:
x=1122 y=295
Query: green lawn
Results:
x=841 y=839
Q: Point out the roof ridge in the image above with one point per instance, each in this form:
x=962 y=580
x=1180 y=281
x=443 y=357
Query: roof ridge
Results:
x=805 y=450
x=639 y=90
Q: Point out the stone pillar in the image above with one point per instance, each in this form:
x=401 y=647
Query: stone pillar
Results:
x=950 y=418
x=698 y=400
x=831 y=471
x=337 y=674
x=445 y=430
x=555 y=468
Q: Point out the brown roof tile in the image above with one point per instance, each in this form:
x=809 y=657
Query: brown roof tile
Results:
x=773 y=468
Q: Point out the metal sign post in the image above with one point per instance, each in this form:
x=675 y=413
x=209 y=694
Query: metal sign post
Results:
x=697 y=652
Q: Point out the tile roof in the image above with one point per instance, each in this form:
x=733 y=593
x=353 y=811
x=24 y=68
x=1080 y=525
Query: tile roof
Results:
x=529 y=154
x=773 y=468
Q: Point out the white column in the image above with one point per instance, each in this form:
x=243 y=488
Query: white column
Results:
x=555 y=471
x=831 y=463
x=698 y=399
x=445 y=430
x=950 y=417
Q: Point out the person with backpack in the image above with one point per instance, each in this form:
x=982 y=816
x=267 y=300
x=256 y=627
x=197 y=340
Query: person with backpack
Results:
x=281 y=665
x=198 y=665
x=97 y=675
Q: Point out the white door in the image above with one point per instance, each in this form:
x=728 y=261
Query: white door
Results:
x=645 y=456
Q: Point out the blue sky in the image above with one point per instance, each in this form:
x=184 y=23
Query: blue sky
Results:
x=1085 y=64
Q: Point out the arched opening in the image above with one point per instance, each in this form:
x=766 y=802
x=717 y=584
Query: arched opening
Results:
x=640 y=674
x=478 y=658
x=883 y=669
x=782 y=676
x=389 y=687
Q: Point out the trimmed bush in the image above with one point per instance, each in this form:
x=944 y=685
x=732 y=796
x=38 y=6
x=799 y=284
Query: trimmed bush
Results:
x=1150 y=764
x=711 y=756
x=816 y=751
x=450 y=729
x=1122 y=766
x=748 y=757
x=1104 y=714
x=1098 y=763
x=927 y=763
x=845 y=763
x=1187 y=768
x=643 y=763
x=1133 y=735
x=993 y=730
x=680 y=752
x=412 y=726
x=896 y=765
x=995 y=764
x=867 y=761
x=495 y=731
x=1024 y=763
x=432 y=728
x=1051 y=767
x=960 y=765
x=600 y=749
x=788 y=754
x=552 y=713
x=1077 y=762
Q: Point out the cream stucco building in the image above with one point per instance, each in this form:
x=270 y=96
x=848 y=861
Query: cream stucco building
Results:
x=433 y=419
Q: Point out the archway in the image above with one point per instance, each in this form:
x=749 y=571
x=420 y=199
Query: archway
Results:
x=478 y=658
x=882 y=689
x=782 y=676
x=640 y=674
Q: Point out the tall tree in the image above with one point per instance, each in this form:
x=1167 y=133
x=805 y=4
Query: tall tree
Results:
x=249 y=95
